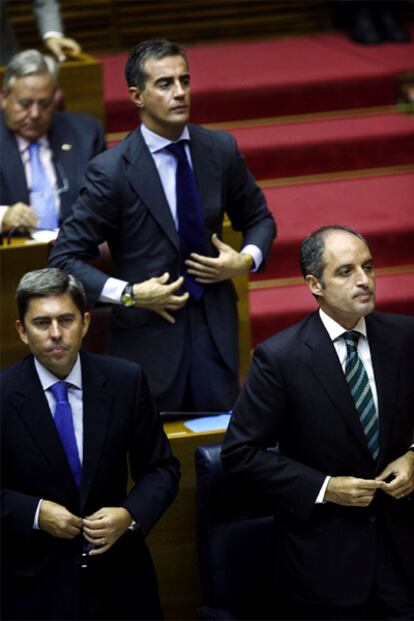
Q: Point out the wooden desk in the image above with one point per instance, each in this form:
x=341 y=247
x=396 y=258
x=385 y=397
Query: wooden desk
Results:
x=173 y=540
x=16 y=259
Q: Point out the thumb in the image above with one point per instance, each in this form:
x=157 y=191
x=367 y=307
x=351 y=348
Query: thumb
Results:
x=217 y=242
x=384 y=474
x=164 y=278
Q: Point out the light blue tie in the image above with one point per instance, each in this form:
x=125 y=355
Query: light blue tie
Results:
x=42 y=198
x=64 y=424
x=358 y=383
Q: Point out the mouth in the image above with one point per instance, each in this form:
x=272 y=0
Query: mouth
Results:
x=58 y=350
x=365 y=296
x=182 y=108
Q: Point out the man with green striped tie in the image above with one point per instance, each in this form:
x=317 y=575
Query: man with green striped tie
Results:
x=335 y=394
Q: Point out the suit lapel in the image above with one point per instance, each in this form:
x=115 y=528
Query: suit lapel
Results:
x=33 y=408
x=207 y=172
x=323 y=362
x=385 y=364
x=12 y=165
x=144 y=178
x=97 y=404
x=65 y=164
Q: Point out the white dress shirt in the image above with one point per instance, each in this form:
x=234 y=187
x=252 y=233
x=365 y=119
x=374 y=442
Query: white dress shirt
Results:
x=336 y=332
x=46 y=158
x=166 y=164
x=75 y=398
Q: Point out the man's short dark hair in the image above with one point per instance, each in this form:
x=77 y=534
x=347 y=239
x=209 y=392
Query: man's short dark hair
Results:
x=29 y=62
x=135 y=73
x=312 y=251
x=47 y=282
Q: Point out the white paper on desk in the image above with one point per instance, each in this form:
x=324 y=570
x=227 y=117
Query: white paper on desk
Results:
x=208 y=423
x=44 y=235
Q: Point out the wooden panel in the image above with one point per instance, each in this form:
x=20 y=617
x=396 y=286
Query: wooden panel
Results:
x=106 y=26
x=173 y=541
x=15 y=260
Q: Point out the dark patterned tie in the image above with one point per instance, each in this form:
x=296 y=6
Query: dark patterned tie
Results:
x=358 y=383
x=64 y=425
x=191 y=230
x=42 y=199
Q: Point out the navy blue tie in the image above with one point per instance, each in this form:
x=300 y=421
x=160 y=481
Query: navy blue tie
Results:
x=191 y=231
x=64 y=425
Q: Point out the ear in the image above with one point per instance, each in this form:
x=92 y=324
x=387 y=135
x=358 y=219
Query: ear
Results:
x=86 y=322
x=314 y=285
x=135 y=96
x=21 y=330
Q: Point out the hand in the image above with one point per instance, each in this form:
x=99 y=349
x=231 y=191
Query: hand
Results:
x=19 y=214
x=104 y=527
x=62 y=46
x=56 y=520
x=351 y=492
x=159 y=297
x=228 y=264
x=403 y=471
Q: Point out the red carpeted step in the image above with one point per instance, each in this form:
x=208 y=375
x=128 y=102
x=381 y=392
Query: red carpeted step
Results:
x=296 y=75
x=381 y=208
x=330 y=145
x=272 y=310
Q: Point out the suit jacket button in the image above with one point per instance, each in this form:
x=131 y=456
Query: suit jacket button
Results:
x=372 y=518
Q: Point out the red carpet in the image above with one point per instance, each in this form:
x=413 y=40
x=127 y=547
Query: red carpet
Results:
x=297 y=75
x=381 y=208
x=330 y=145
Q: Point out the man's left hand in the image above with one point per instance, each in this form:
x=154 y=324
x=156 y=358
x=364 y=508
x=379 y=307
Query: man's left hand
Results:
x=61 y=47
x=402 y=471
x=228 y=264
x=104 y=527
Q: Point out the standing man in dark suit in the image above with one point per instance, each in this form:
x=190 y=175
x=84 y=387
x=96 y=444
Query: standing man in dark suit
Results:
x=72 y=535
x=174 y=305
x=335 y=393
x=64 y=142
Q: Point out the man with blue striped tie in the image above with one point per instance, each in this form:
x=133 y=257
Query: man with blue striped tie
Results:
x=335 y=393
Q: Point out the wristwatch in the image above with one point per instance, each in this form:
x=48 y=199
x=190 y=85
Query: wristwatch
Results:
x=133 y=525
x=127 y=297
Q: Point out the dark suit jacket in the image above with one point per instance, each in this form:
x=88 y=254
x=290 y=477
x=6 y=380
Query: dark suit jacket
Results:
x=119 y=419
x=84 y=135
x=123 y=202
x=297 y=396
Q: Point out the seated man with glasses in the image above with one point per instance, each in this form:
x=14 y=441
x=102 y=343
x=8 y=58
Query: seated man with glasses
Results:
x=43 y=151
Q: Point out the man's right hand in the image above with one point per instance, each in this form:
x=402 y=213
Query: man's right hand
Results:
x=19 y=214
x=351 y=492
x=56 y=520
x=156 y=295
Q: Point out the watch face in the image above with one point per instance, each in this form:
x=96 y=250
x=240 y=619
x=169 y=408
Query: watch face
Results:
x=127 y=299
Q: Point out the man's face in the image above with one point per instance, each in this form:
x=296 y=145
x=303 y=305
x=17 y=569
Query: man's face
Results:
x=164 y=103
x=53 y=329
x=29 y=106
x=346 y=291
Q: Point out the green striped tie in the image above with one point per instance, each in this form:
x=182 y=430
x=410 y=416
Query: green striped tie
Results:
x=358 y=383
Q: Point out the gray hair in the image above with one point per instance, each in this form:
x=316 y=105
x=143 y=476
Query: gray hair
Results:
x=135 y=73
x=312 y=251
x=29 y=62
x=45 y=283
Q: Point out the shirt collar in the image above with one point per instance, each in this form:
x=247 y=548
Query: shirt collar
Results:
x=23 y=144
x=336 y=331
x=47 y=379
x=155 y=142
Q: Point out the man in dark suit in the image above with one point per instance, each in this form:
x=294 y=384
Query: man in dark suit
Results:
x=66 y=141
x=72 y=535
x=174 y=306
x=335 y=395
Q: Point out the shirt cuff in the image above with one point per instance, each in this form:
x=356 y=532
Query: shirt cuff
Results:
x=320 y=499
x=112 y=291
x=255 y=253
x=36 y=516
x=53 y=33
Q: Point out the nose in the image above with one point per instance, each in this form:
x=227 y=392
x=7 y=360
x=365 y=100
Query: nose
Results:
x=362 y=278
x=34 y=110
x=55 y=330
x=178 y=89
